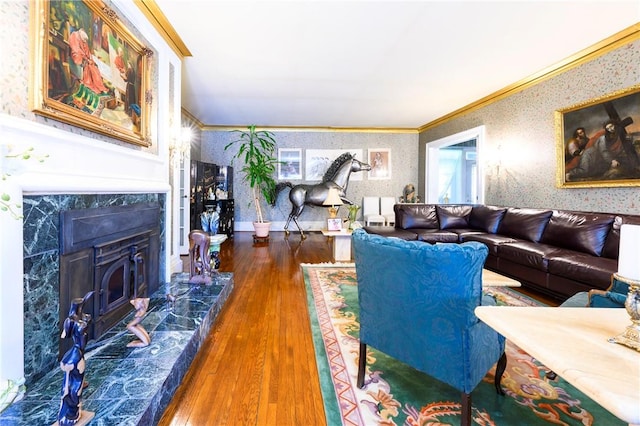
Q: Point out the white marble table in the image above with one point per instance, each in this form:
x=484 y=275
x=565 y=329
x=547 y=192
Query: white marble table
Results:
x=572 y=342
x=341 y=244
x=494 y=279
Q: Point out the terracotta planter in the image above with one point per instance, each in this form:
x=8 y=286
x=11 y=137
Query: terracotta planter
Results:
x=262 y=229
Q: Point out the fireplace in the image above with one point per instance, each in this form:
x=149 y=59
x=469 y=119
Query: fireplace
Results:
x=112 y=251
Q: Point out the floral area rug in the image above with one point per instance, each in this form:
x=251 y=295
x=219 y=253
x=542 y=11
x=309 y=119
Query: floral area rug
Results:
x=397 y=394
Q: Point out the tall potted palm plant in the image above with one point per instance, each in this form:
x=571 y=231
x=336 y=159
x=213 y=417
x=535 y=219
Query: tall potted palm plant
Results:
x=257 y=149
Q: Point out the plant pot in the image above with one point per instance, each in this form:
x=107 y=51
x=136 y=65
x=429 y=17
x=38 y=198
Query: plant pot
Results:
x=262 y=229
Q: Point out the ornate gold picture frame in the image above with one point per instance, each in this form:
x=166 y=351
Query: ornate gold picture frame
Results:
x=88 y=70
x=598 y=141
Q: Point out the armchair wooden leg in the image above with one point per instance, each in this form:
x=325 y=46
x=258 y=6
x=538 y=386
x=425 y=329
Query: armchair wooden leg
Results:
x=465 y=419
x=362 y=364
x=500 y=367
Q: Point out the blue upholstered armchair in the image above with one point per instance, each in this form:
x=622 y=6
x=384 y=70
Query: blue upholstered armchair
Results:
x=417 y=304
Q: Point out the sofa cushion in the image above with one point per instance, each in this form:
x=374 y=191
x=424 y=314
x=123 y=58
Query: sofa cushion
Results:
x=453 y=216
x=492 y=241
x=486 y=218
x=527 y=253
x=583 y=232
x=392 y=232
x=612 y=243
x=592 y=270
x=436 y=236
x=525 y=224
x=411 y=216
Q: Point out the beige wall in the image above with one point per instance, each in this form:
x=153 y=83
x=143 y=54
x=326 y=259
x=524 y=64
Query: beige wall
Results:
x=520 y=131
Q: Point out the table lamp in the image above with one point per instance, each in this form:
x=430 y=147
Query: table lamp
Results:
x=333 y=199
x=629 y=273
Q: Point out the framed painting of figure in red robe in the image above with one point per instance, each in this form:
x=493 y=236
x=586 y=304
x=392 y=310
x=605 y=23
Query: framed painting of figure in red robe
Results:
x=598 y=142
x=89 y=70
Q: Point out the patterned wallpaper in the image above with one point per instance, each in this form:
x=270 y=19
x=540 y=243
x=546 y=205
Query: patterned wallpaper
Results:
x=404 y=167
x=521 y=137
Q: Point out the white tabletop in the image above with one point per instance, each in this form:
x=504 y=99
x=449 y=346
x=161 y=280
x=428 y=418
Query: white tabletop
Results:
x=573 y=342
x=493 y=279
x=344 y=232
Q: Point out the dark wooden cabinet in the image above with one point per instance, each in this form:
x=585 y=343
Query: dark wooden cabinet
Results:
x=209 y=181
x=226 y=209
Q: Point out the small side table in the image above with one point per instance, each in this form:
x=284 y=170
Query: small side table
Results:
x=341 y=244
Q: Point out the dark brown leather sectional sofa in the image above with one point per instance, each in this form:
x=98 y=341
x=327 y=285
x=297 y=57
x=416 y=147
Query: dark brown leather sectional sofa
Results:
x=556 y=252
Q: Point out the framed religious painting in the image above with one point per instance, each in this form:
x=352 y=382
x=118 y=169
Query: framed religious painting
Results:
x=88 y=70
x=598 y=142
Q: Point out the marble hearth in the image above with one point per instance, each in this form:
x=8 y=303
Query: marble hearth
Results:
x=133 y=386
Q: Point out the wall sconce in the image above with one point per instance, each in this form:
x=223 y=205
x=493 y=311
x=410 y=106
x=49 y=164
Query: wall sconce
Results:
x=629 y=273
x=180 y=145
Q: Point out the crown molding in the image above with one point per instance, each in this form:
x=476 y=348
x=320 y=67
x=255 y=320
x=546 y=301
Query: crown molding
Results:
x=625 y=36
x=628 y=35
x=313 y=129
x=160 y=22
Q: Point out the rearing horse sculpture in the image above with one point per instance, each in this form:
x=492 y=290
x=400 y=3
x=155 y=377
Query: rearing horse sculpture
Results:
x=336 y=176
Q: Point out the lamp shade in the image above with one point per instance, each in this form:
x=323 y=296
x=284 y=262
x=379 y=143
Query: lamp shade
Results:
x=629 y=257
x=333 y=198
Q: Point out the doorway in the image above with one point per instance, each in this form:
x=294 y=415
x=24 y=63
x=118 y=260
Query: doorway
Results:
x=453 y=173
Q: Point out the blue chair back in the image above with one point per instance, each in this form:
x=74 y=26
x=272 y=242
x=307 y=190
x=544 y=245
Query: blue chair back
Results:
x=417 y=304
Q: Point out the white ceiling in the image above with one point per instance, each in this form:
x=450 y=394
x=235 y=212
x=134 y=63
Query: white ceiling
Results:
x=372 y=64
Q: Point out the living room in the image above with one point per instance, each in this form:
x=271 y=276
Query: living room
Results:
x=520 y=170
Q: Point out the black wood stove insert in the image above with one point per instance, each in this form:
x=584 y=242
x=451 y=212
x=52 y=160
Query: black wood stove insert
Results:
x=113 y=251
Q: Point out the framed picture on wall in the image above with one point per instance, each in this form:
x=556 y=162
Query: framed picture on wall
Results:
x=380 y=162
x=89 y=71
x=318 y=161
x=598 y=141
x=289 y=164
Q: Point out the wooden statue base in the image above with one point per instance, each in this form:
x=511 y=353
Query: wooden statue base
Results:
x=257 y=239
x=85 y=417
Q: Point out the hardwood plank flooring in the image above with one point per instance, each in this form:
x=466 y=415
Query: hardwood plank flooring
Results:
x=257 y=367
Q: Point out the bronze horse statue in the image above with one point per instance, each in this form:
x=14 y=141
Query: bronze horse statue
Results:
x=336 y=176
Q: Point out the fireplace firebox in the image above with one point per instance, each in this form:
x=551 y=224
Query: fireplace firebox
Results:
x=113 y=251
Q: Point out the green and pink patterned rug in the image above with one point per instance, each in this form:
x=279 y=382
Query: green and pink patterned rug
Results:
x=402 y=395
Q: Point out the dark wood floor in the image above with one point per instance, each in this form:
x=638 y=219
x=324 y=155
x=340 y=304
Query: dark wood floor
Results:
x=257 y=367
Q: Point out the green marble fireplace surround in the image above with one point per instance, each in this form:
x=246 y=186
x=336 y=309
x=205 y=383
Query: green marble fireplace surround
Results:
x=42 y=269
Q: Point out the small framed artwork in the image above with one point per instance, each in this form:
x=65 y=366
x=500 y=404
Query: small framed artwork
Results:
x=598 y=142
x=380 y=162
x=289 y=164
x=89 y=70
x=334 y=224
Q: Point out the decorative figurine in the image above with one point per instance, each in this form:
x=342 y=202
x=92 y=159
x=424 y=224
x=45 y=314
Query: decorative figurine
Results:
x=200 y=272
x=409 y=194
x=221 y=194
x=141 y=305
x=73 y=365
x=171 y=301
x=210 y=219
